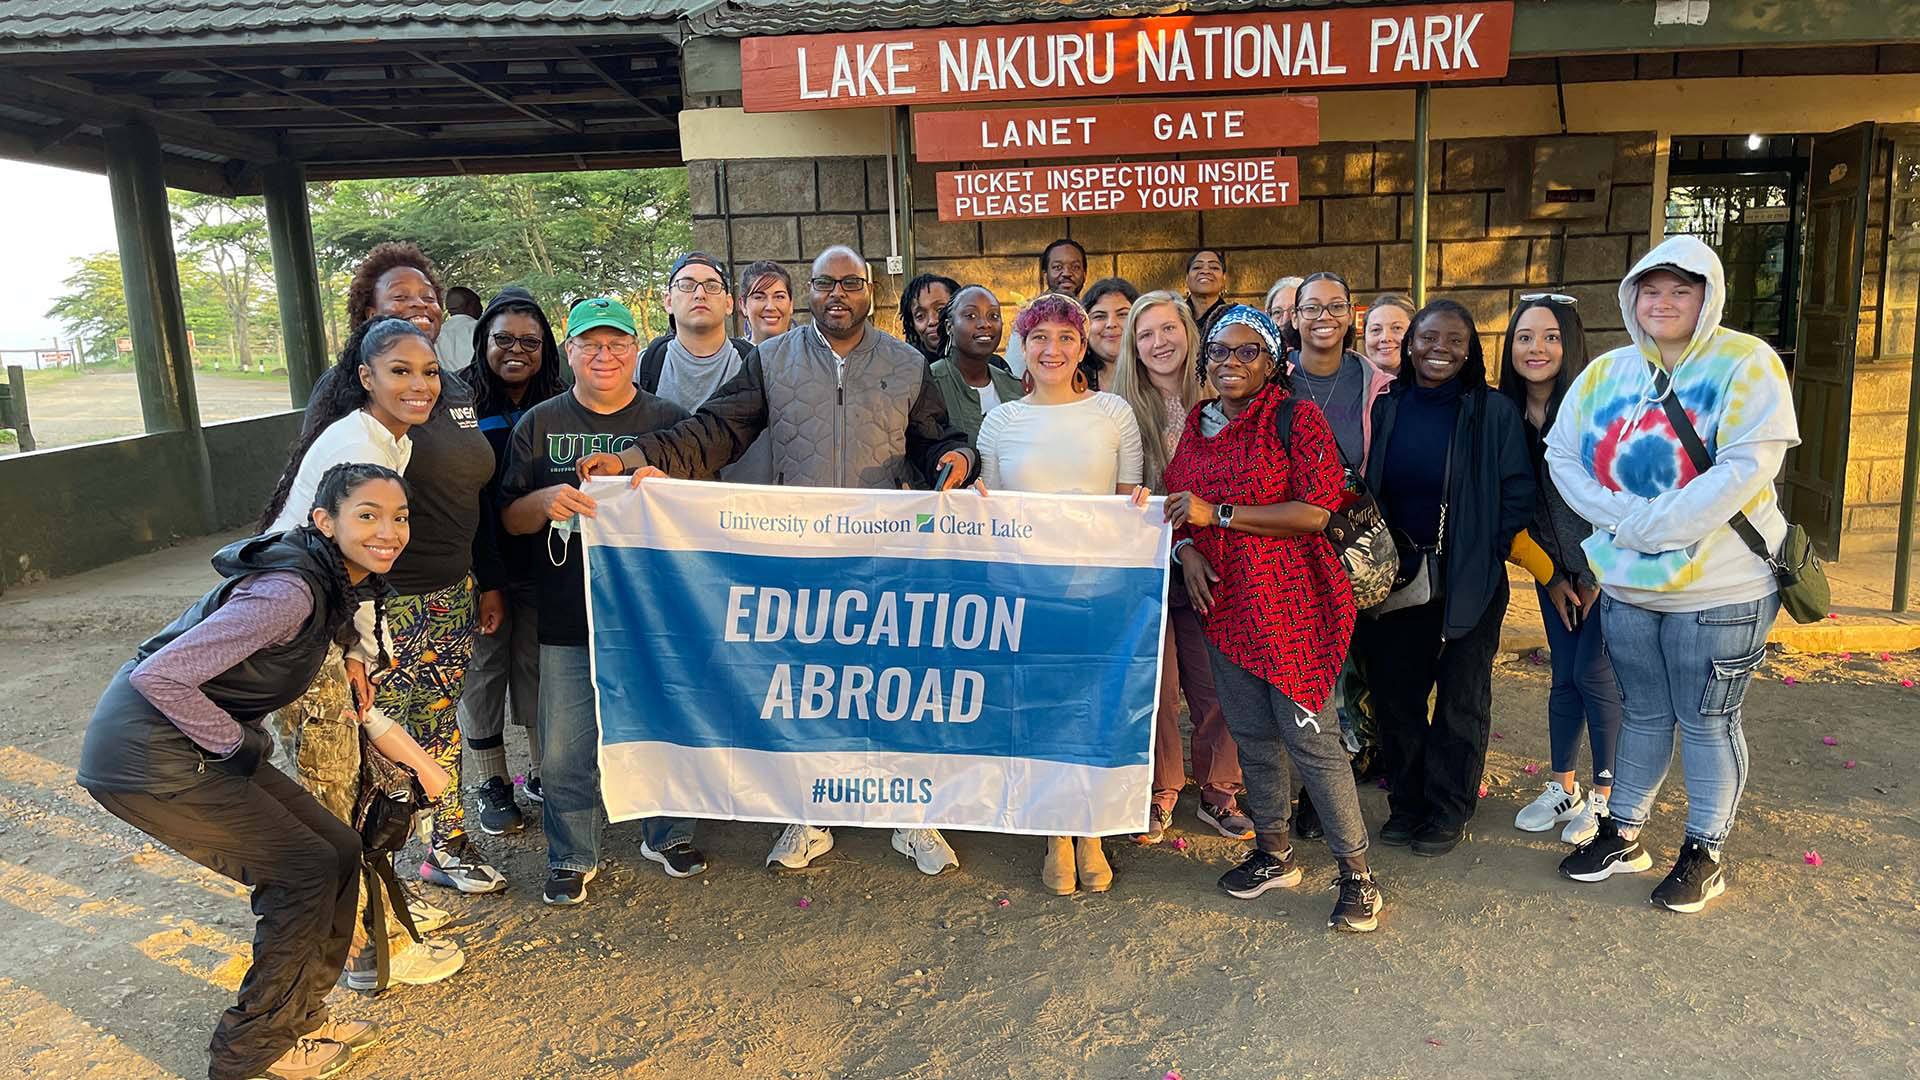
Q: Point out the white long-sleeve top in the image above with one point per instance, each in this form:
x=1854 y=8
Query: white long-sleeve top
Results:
x=1085 y=447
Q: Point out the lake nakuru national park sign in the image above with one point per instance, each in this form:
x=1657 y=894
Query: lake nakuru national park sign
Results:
x=1133 y=187
x=1151 y=127
x=1139 y=57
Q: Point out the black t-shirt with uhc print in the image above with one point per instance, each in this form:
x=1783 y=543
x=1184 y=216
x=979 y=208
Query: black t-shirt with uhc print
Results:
x=546 y=447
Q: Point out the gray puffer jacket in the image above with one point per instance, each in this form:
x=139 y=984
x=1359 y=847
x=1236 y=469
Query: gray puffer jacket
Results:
x=876 y=421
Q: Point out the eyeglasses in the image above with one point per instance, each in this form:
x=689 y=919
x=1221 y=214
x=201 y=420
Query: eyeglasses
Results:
x=1281 y=314
x=619 y=350
x=852 y=285
x=507 y=342
x=687 y=285
x=1558 y=298
x=1246 y=354
x=1310 y=311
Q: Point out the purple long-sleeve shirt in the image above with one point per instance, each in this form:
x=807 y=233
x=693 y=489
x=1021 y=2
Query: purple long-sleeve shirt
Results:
x=263 y=611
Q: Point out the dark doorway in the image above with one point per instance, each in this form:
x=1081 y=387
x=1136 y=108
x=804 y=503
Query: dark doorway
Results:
x=1840 y=169
x=1744 y=198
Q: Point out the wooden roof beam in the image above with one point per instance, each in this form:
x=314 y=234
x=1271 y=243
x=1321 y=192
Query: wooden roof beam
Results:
x=71 y=99
x=564 y=125
x=297 y=95
x=607 y=77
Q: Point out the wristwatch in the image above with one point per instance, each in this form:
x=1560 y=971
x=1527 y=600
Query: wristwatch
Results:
x=1225 y=513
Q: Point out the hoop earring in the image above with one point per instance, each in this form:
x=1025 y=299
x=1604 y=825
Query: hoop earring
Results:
x=1026 y=382
x=1079 y=381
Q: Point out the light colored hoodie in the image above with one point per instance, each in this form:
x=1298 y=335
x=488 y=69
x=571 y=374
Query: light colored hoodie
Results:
x=1661 y=539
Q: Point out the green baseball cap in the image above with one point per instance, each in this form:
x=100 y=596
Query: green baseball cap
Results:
x=596 y=312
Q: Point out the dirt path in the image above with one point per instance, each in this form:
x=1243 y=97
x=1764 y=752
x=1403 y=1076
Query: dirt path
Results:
x=66 y=412
x=115 y=956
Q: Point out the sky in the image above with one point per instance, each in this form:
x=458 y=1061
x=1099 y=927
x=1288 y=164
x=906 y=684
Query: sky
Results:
x=53 y=216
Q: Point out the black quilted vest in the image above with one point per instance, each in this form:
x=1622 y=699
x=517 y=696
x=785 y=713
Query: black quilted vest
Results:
x=131 y=746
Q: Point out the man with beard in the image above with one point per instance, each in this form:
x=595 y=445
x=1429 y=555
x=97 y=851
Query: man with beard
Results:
x=891 y=429
x=1063 y=270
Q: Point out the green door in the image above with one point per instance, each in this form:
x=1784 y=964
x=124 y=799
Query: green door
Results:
x=1836 y=223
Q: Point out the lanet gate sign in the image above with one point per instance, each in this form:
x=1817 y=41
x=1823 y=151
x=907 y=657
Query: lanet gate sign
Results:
x=1180 y=125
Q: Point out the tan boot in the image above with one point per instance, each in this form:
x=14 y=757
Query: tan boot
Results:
x=1095 y=874
x=310 y=1059
x=1057 y=872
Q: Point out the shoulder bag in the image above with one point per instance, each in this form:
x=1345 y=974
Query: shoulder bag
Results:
x=1804 y=592
x=1417 y=577
x=1357 y=530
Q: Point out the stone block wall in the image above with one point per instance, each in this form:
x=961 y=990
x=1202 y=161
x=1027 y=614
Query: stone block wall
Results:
x=1355 y=217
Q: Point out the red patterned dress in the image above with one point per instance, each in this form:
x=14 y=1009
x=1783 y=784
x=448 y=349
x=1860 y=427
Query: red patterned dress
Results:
x=1283 y=608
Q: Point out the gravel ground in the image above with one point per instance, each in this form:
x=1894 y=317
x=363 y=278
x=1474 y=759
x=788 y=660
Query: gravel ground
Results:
x=116 y=955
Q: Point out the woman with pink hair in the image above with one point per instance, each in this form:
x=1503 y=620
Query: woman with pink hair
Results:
x=1062 y=438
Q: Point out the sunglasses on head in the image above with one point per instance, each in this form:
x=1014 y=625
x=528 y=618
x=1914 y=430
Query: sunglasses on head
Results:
x=1558 y=298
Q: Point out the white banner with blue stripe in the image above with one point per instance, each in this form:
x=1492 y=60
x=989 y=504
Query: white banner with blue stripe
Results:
x=880 y=658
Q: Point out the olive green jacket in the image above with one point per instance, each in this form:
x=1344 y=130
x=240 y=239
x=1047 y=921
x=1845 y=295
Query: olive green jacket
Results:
x=963 y=401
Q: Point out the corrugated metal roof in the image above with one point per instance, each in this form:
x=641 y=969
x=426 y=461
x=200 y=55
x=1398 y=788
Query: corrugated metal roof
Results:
x=47 y=24
x=741 y=18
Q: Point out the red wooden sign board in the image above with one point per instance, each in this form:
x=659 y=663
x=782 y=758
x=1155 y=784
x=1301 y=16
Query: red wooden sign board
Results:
x=1127 y=188
x=1156 y=127
x=1156 y=55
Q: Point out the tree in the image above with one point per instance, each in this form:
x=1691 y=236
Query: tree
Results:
x=560 y=235
x=227 y=238
x=94 y=306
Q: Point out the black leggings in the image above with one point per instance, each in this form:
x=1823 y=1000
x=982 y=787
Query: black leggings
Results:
x=1433 y=765
x=303 y=865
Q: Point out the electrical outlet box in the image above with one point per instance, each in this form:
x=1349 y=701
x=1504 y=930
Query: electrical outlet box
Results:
x=896 y=265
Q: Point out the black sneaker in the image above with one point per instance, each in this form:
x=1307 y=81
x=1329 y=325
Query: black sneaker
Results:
x=1696 y=878
x=1261 y=871
x=1607 y=854
x=531 y=789
x=499 y=814
x=1306 y=820
x=1398 y=831
x=1358 y=909
x=1436 y=839
x=565 y=887
x=680 y=859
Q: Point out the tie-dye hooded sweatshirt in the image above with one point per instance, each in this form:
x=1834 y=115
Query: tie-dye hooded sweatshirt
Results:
x=1661 y=539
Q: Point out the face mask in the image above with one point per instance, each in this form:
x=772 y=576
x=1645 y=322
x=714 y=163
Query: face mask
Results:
x=564 y=530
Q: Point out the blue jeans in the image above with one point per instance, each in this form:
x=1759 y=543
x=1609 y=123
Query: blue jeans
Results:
x=574 y=813
x=1584 y=694
x=1687 y=670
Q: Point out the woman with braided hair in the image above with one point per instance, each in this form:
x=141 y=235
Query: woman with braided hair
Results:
x=177 y=749
x=370 y=403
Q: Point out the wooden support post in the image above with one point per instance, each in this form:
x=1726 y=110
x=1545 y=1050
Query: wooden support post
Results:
x=155 y=313
x=1421 y=181
x=21 y=423
x=284 y=185
x=162 y=363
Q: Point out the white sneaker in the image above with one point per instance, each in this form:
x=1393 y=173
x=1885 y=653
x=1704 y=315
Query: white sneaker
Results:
x=799 y=845
x=1585 y=825
x=426 y=917
x=929 y=851
x=417 y=963
x=1555 y=805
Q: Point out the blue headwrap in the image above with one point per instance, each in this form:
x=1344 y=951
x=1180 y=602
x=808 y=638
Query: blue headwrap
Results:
x=1253 y=318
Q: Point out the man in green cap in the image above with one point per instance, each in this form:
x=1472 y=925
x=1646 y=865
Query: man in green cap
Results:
x=603 y=413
